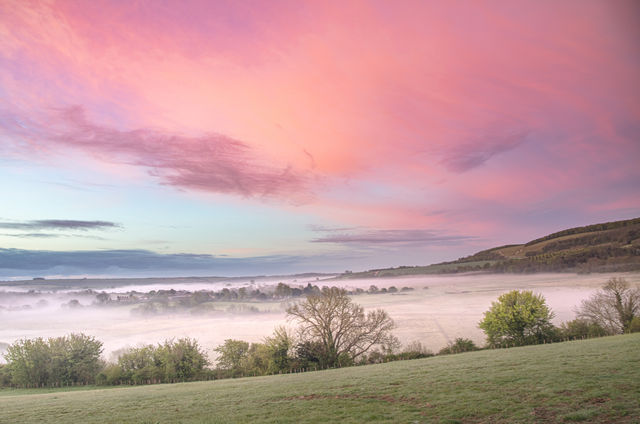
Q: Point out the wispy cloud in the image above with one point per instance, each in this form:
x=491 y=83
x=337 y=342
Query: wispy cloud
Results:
x=32 y=235
x=392 y=237
x=327 y=229
x=465 y=157
x=211 y=162
x=57 y=224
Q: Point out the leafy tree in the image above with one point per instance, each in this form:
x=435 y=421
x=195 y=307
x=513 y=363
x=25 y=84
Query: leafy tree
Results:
x=111 y=374
x=76 y=357
x=29 y=362
x=182 y=359
x=5 y=376
x=518 y=318
x=581 y=328
x=258 y=360
x=310 y=353
x=341 y=326
x=279 y=346
x=61 y=360
x=137 y=364
x=169 y=361
x=237 y=357
x=232 y=356
x=614 y=307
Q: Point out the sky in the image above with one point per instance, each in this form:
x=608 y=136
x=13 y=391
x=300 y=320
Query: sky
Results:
x=178 y=138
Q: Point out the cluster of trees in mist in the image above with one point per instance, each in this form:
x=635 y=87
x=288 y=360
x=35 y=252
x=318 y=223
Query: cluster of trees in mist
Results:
x=332 y=331
x=203 y=301
x=157 y=302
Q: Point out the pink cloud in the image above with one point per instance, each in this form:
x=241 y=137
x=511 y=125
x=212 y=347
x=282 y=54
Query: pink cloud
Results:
x=446 y=106
x=211 y=162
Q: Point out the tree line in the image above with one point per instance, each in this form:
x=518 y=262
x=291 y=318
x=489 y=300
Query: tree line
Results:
x=203 y=301
x=332 y=331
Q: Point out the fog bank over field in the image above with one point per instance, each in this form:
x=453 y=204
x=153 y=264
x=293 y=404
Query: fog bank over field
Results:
x=437 y=310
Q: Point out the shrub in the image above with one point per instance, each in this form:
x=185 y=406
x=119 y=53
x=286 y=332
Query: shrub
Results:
x=581 y=329
x=5 y=376
x=459 y=345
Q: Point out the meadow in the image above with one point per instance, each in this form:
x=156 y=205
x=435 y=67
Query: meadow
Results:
x=590 y=381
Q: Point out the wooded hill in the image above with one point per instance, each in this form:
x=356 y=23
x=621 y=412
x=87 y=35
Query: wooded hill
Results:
x=606 y=247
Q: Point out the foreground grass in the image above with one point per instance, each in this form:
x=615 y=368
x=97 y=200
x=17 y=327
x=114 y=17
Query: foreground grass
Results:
x=594 y=381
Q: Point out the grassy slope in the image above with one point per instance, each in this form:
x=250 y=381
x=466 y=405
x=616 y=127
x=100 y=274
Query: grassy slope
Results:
x=589 y=381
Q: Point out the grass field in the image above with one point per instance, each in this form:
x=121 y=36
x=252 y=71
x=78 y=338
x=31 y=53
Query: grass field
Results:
x=593 y=381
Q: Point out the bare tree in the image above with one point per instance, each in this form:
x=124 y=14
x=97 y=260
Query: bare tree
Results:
x=341 y=326
x=613 y=307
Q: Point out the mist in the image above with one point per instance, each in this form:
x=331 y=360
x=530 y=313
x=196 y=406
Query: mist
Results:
x=432 y=309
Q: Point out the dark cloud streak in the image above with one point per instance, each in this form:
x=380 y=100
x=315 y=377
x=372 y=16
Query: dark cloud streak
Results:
x=19 y=262
x=32 y=235
x=58 y=224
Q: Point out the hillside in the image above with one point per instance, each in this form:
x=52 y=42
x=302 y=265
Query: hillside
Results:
x=592 y=381
x=606 y=247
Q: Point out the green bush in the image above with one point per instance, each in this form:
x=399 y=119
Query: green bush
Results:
x=110 y=375
x=5 y=376
x=459 y=345
x=518 y=318
x=581 y=329
x=57 y=361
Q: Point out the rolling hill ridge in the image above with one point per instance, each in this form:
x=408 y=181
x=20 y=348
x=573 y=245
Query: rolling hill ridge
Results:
x=606 y=247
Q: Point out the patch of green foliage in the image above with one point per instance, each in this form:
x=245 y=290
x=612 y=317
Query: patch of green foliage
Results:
x=518 y=318
x=591 y=381
x=459 y=345
x=171 y=361
x=56 y=361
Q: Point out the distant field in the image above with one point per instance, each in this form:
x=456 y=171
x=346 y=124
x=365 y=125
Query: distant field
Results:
x=593 y=381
